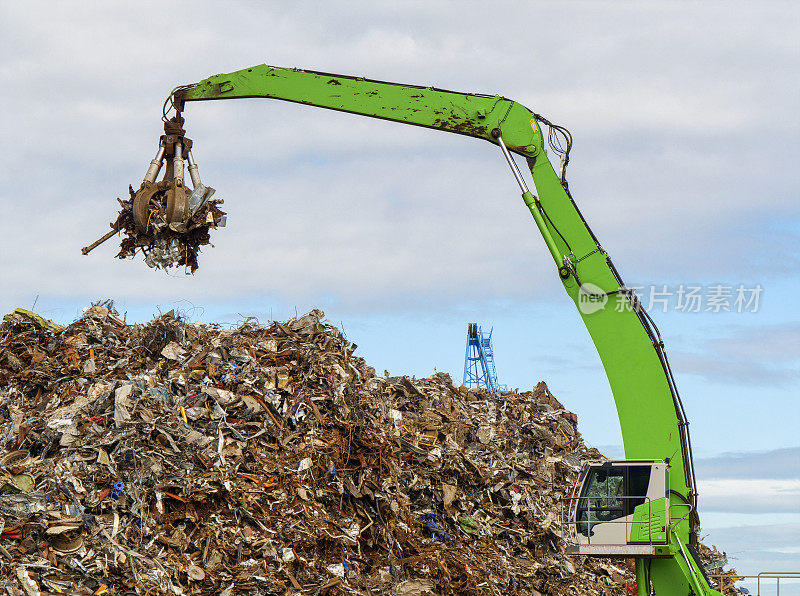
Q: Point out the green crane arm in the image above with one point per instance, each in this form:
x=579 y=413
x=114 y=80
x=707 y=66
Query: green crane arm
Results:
x=650 y=413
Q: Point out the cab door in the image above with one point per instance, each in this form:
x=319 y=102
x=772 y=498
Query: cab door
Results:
x=601 y=507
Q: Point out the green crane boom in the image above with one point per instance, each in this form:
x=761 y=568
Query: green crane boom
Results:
x=651 y=416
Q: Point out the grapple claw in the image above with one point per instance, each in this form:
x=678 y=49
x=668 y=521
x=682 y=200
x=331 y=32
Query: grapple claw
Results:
x=166 y=203
x=166 y=220
x=177 y=207
x=141 y=203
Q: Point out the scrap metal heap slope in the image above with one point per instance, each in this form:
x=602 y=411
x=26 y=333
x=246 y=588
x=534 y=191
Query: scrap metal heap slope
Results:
x=177 y=458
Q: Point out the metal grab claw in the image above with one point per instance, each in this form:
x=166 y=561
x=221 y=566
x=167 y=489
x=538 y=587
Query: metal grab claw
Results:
x=173 y=145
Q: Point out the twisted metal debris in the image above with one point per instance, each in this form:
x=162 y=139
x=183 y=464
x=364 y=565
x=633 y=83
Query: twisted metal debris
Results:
x=177 y=458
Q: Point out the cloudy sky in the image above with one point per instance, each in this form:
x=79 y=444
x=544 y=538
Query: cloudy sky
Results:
x=685 y=122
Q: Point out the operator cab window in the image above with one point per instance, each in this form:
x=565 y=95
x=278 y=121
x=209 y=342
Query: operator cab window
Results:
x=603 y=498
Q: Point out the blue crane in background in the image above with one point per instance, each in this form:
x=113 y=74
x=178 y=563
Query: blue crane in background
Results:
x=479 y=369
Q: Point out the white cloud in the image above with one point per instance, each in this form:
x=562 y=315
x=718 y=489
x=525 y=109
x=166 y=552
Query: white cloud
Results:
x=659 y=135
x=775 y=464
x=750 y=494
x=766 y=355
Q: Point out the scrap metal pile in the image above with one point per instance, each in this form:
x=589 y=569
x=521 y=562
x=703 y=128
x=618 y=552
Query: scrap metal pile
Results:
x=177 y=458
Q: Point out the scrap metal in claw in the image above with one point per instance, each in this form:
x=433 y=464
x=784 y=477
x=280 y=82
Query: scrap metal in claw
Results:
x=181 y=203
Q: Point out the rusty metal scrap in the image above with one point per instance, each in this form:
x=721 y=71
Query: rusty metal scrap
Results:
x=178 y=458
x=163 y=244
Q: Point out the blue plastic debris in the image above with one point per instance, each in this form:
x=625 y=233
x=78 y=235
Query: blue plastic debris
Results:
x=116 y=492
x=431 y=525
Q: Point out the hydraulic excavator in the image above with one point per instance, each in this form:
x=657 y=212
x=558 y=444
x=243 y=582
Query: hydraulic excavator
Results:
x=644 y=507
